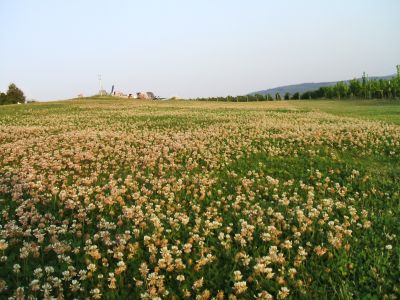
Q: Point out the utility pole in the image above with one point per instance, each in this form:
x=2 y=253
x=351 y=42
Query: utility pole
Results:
x=364 y=85
x=100 y=85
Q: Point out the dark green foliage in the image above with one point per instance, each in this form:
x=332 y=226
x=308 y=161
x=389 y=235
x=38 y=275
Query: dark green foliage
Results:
x=14 y=95
x=251 y=98
x=296 y=96
x=3 y=98
x=306 y=95
x=287 y=96
x=259 y=97
x=355 y=88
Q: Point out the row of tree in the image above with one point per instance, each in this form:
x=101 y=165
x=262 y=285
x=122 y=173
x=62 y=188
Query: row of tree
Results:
x=356 y=88
x=13 y=96
x=364 y=88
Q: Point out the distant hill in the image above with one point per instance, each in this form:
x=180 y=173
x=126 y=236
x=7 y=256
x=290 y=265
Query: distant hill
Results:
x=304 y=87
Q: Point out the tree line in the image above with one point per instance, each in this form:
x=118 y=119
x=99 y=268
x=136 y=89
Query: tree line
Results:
x=13 y=95
x=364 y=88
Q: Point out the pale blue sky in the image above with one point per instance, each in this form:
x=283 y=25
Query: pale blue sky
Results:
x=54 y=49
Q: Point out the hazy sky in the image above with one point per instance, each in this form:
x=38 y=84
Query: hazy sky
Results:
x=55 y=49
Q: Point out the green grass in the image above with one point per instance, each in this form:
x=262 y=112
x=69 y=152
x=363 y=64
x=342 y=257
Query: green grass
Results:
x=380 y=110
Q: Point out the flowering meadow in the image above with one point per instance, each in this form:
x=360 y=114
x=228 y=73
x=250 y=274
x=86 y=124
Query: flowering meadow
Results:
x=119 y=199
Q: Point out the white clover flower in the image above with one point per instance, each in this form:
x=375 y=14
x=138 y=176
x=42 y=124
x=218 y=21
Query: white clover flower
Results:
x=16 y=268
x=3 y=245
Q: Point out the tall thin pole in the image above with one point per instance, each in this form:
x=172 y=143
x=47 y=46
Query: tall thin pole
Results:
x=100 y=86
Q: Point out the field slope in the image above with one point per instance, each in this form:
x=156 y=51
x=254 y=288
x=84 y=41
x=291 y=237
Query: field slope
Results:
x=119 y=199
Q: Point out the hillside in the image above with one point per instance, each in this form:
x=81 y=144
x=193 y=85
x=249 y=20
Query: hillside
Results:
x=304 y=87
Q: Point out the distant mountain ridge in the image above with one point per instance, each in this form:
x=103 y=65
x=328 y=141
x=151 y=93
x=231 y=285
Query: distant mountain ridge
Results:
x=304 y=87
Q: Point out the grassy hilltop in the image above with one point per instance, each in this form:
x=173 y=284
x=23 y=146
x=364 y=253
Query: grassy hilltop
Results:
x=118 y=199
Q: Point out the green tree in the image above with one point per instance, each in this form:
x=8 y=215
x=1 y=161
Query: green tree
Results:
x=251 y=98
x=287 y=96
x=318 y=94
x=355 y=88
x=365 y=88
x=278 y=96
x=296 y=96
x=15 y=95
x=342 y=90
x=374 y=90
x=3 y=98
x=306 y=95
x=395 y=85
x=259 y=97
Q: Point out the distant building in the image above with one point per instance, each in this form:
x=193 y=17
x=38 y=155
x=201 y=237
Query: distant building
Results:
x=140 y=95
x=120 y=94
x=151 y=95
x=146 y=95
